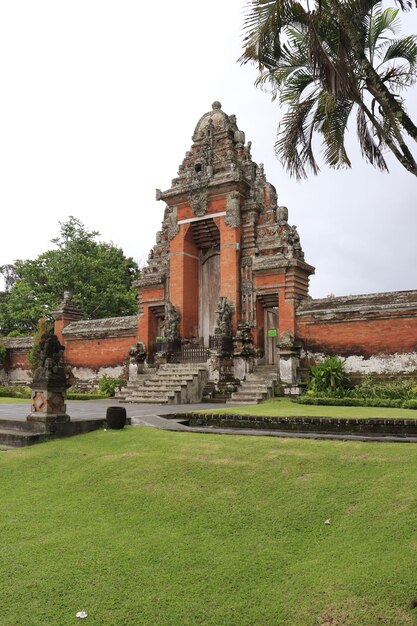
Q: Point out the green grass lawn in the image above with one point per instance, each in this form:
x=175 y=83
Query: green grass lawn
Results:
x=142 y=526
x=13 y=400
x=282 y=407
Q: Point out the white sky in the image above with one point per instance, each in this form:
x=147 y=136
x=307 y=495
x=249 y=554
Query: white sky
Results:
x=99 y=100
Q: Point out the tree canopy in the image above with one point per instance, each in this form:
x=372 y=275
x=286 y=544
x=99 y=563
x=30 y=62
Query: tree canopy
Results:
x=325 y=60
x=98 y=274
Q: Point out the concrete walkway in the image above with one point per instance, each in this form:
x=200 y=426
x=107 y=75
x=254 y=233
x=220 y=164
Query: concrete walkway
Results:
x=152 y=415
x=90 y=409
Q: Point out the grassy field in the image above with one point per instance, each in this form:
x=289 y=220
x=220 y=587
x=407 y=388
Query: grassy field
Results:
x=142 y=526
x=286 y=408
x=13 y=400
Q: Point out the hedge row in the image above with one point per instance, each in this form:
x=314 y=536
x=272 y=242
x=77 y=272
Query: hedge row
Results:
x=377 y=402
x=25 y=394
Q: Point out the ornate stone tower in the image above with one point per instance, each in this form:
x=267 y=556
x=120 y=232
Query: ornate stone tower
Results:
x=223 y=236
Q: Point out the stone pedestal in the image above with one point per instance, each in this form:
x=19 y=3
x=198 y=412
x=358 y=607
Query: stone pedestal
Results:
x=48 y=406
x=49 y=385
x=289 y=365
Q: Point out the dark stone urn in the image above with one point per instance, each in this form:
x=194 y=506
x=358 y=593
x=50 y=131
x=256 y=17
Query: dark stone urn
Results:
x=116 y=417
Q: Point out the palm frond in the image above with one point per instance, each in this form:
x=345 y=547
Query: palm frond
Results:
x=405 y=49
x=370 y=150
x=333 y=127
x=294 y=141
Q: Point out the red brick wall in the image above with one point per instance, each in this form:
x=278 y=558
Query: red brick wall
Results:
x=229 y=266
x=17 y=359
x=184 y=268
x=96 y=353
x=376 y=335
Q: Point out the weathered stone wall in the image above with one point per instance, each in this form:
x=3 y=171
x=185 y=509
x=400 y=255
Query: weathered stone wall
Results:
x=376 y=333
x=95 y=348
x=16 y=370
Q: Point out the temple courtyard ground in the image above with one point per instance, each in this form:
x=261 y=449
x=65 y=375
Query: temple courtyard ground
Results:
x=146 y=526
x=154 y=415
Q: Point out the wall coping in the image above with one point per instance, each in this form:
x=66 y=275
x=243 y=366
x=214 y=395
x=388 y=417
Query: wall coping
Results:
x=17 y=343
x=364 y=303
x=102 y=328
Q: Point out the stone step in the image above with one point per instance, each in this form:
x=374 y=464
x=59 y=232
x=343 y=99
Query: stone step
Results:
x=172 y=383
x=154 y=393
x=146 y=400
x=254 y=387
x=171 y=376
x=182 y=367
x=156 y=389
x=242 y=396
x=18 y=438
x=257 y=376
x=19 y=425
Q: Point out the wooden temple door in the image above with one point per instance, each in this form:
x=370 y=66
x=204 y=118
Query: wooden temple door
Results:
x=209 y=294
x=271 y=336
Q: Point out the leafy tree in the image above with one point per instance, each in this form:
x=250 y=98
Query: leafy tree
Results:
x=98 y=275
x=325 y=62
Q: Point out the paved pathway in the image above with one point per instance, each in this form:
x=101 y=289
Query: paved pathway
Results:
x=152 y=415
x=89 y=409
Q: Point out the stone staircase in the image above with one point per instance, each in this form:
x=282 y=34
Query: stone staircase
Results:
x=16 y=434
x=260 y=385
x=172 y=383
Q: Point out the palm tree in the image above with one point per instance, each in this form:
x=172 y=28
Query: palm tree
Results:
x=315 y=69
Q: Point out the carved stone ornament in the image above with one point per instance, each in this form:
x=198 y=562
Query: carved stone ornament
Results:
x=232 y=217
x=224 y=318
x=198 y=199
x=172 y=224
x=137 y=353
x=282 y=215
x=287 y=340
x=51 y=369
x=172 y=322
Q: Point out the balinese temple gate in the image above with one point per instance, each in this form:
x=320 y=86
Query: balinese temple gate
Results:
x=227 y=272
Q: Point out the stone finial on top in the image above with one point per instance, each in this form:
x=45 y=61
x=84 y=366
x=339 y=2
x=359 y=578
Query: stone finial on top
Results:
x=216 y=106
x=67 y=309
x=282 y=215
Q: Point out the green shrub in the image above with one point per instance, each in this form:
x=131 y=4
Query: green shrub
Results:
x=409 y=404
x=15 y=391
x=108 y=385
x=34 y=355
x=351 y=401
x=328 y=375
x=74 y=395
x=399 y=389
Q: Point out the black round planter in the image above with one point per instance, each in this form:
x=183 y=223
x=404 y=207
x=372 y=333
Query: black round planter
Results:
x=116 y=417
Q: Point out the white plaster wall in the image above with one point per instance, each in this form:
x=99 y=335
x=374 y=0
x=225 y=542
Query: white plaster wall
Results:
x=377 y=364
x=88 y=375
x=17 y=377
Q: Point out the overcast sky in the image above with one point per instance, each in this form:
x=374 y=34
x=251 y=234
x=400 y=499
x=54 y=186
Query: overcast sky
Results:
x=99 y=100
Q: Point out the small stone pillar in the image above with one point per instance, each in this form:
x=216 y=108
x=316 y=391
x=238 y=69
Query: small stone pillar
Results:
x=244 y=352
x=49 y=386
x=289 y=364
x=66 y=313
